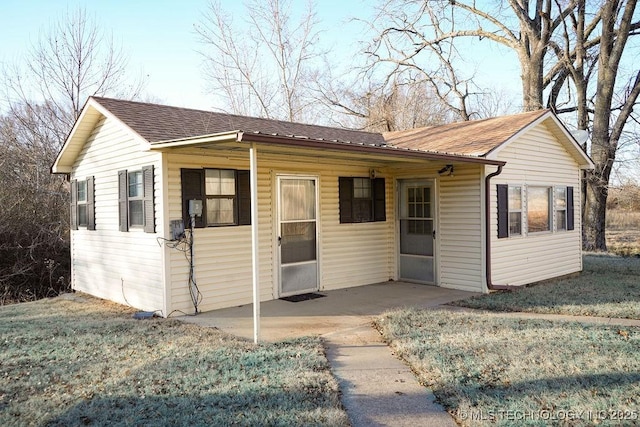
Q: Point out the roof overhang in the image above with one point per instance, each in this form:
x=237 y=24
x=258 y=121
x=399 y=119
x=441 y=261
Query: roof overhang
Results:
x=559 y=130
x=90 y=115
x=241 y=140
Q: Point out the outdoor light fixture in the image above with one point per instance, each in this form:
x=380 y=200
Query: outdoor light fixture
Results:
x=446 y=171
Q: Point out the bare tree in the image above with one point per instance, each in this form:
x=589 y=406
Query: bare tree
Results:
x=71 y=61
x=415 y=43
x=34 y=246
x=570 y=50
x=610 y=115
x=384 y=107
x=263 y=66
x=42 y=97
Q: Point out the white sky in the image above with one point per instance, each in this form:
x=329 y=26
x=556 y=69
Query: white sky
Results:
x=159 y=37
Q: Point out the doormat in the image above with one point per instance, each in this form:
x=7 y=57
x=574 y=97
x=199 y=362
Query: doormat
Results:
x=302 y=297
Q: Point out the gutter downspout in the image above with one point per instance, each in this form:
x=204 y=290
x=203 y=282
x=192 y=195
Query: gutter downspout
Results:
x=487 y=224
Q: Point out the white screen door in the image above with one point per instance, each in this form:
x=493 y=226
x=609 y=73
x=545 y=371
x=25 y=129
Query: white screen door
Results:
x=417 y=231
x=297 y=235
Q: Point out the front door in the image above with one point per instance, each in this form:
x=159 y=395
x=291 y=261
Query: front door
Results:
x=297 y=234
x=417 y=232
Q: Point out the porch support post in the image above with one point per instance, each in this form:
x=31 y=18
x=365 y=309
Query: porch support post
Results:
x=253 y=174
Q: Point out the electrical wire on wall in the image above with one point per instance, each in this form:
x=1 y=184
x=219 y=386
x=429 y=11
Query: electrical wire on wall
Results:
x=196 y=296
x=184 y=244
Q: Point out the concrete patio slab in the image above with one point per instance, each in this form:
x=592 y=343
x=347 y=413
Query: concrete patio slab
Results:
x=337 y=310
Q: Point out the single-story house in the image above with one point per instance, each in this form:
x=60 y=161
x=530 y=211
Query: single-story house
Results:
x=174 y=209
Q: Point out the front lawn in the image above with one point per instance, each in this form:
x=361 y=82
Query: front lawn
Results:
x=75 y=361
x=609 y=286
x=488 y=370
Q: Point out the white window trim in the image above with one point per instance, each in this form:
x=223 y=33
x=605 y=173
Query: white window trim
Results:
x=550 y=214
x=556 y=210
x=522 y=211
x=233 y=197
x=139 y=197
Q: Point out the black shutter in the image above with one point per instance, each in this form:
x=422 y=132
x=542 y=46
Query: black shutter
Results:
x=379 y=202
x=345 y=190
x=570 y=211
x=243 y=193
x=122 y=201
x=192 y=181
x=149 y=205
x=73 y=208
x=503 y=210
x=91 y=212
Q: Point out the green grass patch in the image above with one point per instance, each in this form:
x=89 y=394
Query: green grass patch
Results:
x=82 y=361
x=488 y=370
x=609 y=286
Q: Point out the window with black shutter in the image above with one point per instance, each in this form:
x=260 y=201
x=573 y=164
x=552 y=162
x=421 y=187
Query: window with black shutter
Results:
x=361 y=199
x=82 y=204
x=548 y=209
x=225 y=196
x=136 y=204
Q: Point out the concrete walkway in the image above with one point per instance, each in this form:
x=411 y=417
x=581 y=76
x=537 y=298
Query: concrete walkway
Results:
x=613 y=321
x=377 y=388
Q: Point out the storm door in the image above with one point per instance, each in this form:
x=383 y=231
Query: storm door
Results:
x=417 y=232
x=297 y=234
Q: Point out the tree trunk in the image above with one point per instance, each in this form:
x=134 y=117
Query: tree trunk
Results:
x=595 y=214
x=532 y=82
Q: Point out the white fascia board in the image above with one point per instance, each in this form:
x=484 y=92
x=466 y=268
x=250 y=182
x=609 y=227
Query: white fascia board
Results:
x=229 y=136
x=74 y=142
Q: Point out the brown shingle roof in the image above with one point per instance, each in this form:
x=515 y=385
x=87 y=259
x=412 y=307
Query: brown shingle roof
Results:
x=472 y=138
x=156 y=122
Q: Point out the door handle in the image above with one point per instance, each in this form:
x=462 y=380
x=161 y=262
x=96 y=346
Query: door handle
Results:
x=279 y=240
x=434 y=234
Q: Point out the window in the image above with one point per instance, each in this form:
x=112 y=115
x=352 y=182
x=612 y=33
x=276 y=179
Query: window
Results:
x=135 y=199
x=361 y=199
x=82 y=204
x=220 y=189
x=538 y=217
x=419 y=209
x=515 y=210
x=560 y=207
x=225 y=193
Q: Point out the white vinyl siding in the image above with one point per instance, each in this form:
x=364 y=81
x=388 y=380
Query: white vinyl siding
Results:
x=354 y=254
x=460 y=229
x=536 y=159
x=349 y=255
x=222 y=255
x=459 y=224
x=123 y=267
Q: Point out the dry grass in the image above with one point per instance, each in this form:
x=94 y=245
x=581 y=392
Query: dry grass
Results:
x=621 y=220
x=623 y=232
x=488 y=370
x=82 y=361
x=608 y=287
